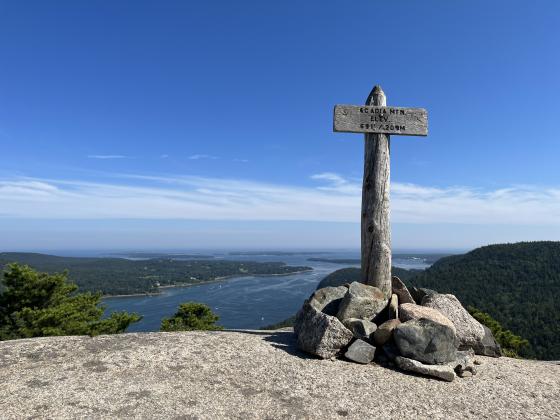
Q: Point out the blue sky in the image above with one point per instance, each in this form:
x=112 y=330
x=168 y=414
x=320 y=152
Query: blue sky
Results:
x=209 y=124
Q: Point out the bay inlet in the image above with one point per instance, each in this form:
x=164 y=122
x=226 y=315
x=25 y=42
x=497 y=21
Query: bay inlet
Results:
x=250 y=302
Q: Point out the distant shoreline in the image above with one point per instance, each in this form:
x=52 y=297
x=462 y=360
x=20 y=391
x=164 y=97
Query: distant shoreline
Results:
x=216 y=280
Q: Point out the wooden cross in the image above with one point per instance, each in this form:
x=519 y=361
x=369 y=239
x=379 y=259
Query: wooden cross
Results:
x=378 y=121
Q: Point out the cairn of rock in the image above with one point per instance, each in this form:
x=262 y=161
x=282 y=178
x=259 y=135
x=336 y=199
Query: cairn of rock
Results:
x=420 y=330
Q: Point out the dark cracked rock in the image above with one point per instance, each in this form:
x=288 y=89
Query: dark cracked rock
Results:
x=470 y=333
x=426 y=341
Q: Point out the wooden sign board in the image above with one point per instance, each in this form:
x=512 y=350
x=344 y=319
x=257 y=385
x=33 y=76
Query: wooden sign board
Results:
x=381 y=119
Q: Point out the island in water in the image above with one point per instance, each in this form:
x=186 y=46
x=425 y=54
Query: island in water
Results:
x=121 y=276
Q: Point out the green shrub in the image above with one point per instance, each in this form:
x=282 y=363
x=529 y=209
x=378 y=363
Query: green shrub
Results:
x=34 y=304
x=191 y=316
x=512 y=345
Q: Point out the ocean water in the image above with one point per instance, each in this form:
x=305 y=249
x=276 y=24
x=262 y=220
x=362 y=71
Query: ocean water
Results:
x=246 y=302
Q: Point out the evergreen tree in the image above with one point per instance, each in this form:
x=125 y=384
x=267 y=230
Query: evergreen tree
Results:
x=35 y=304
x=191 y=316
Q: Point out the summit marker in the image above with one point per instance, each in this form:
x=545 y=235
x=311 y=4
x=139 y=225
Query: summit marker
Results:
x=378 y=121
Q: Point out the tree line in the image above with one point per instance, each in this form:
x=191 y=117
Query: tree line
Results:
x=120 y=276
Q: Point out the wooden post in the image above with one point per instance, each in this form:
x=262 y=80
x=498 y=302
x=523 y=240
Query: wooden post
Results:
x=378 y=121
x=376 y=229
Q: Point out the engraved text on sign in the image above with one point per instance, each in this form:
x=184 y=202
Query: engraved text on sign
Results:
x=381 y=119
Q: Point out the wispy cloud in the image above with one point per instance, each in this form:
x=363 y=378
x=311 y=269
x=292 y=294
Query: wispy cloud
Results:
x=198 y=157
x=107 y=157
x=337 y=183
x=332 y=198
x=240 y=160
x=164 y=156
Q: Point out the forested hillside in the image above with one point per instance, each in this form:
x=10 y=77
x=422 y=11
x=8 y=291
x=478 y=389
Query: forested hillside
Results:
x=517 y=284
x=115 y=276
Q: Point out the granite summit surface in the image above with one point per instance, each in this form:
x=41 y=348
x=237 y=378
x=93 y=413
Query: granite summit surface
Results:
x=227 y=374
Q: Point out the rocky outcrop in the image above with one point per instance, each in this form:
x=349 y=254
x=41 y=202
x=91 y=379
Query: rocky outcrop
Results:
x=410 y=311
x=361 y=301
x=470 y=333
x=244 y=375
x=426 y=341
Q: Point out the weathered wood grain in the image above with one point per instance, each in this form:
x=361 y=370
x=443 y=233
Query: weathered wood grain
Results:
x=381 y=119
x=376 y=228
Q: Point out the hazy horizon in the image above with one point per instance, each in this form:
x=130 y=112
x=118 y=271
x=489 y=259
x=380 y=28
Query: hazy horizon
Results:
x=201 y=251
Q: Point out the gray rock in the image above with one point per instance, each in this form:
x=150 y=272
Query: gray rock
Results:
x=361 y=301
x=410 y=311
x=471 y=333
x=464 y=365
x=361 y=328
x=401 y=291
x=444 y=372
x=419 y=293
x=394 y=307
x=488 y=346
x=328 y=299
x=320 y=334
x=360 y=352
x=426 y=341
x=385 y=331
